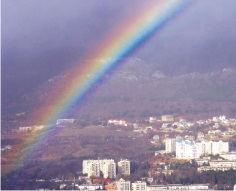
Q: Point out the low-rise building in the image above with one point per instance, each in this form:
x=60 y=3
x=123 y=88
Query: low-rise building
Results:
x=156 y=187
x=167 y=118
x=90 y=187
x=178 y=187
x=152 y=119
x=111 y=187
x=123 y=185
x=63 y=122
x=117 y=122
x=139 y=186
x=229 y=156
x=200 y=162
x=208 y=168
x=25 y=129
x=223 y=163
x=217 y=165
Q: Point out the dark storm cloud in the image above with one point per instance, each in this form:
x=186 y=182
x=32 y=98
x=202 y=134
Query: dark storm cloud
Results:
x=41 y=38
x=202 y=38
x=45 y=24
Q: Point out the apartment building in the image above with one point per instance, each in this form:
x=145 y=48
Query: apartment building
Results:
x=170 y=145
x=124 y=167
x=186 y=149
x=95 y=167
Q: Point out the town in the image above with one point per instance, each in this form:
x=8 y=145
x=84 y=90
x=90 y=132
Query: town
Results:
x=184 y=155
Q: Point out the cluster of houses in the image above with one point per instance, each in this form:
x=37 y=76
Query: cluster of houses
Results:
x=25 y=129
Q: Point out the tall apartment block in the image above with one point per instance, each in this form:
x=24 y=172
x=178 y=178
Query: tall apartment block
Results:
x=170 y=145
x=186 y=149
x=124 y=167
x=95 y=167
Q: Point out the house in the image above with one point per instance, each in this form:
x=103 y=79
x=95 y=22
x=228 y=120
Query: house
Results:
x=167 y=118
x=117 y=122
x=152 y=119
x=25 y=129
x=63 y=122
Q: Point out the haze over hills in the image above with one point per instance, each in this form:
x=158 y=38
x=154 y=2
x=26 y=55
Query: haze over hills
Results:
x=185 y=60
x=136 y=90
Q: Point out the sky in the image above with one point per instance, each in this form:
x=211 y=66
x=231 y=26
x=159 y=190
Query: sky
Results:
x=42 y=38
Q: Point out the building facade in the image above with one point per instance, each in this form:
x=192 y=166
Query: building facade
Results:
x=124 y=167
x=186 y=149
x=170 y=145
x=167 y=118
x=123 y=185
x=111 y=187
x=139 y=186
x=95 y=167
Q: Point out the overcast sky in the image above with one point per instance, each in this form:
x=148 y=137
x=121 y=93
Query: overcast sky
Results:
x=41 y=38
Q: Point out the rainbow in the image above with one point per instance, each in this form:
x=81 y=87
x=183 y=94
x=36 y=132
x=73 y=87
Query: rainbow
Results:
x=122 y=42
x=125 y=39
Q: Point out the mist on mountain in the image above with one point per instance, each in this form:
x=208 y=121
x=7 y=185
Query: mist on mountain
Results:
x=41 y=39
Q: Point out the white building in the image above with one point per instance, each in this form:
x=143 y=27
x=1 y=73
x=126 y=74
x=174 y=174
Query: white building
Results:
x=156 y=187
x=178 y=187
x=217 y=165
x=229 y=156
x=91 y=167
x=65 y=121
x=170 y=145
x=25 y=129
x=90 y=187
x=122 y=185
x=139 y=186
x=94 y=167
x=213 y=147
x=220 y=147
x=124 y=167
x=152 y=119
x=117 y=122
x=200 y=136
x=223 y=163
x=198 y=187
x=186 y=149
